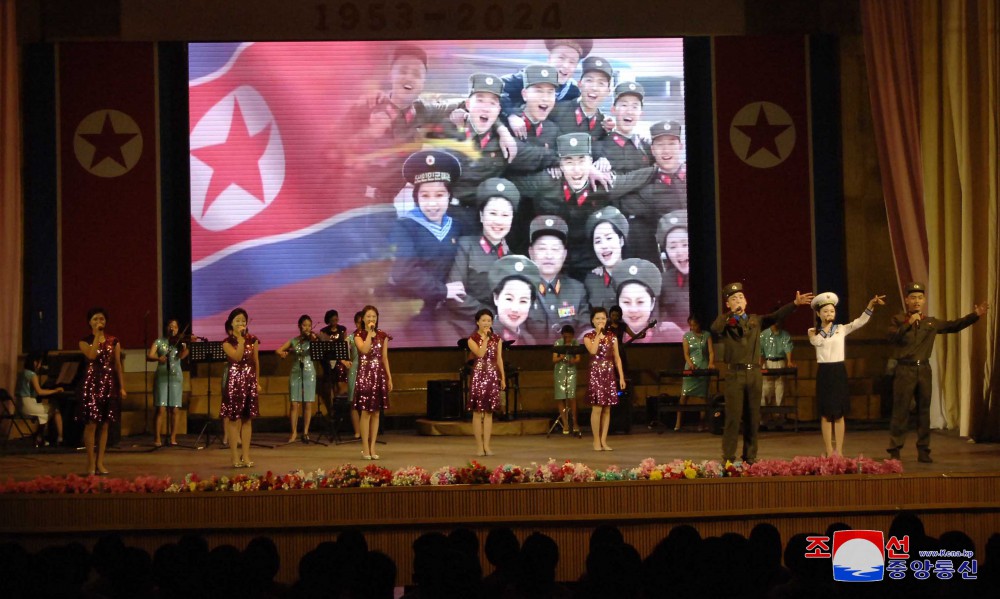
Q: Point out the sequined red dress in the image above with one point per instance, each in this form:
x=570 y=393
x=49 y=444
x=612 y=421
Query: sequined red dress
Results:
x=371 y=387
x=602 y=388
x=101 y=399
x=484 y=389
x=239 y=396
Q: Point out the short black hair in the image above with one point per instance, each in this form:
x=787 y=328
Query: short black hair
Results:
x=330 y=314
x=483 y=312
x=95 y=311
x=304 y=318
x=567 y=328
x=31 y=358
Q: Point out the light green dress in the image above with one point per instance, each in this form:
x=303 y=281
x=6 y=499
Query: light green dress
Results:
x=697 y=386
x=169 y=388
x=564 y=376
x=302 y=378
x=352 y=376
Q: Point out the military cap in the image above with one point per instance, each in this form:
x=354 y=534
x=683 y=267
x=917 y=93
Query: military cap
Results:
x=431 y=165
x=637 y=270
x=535 y=74
x=665 y=128
x=408 y=50
x=678 y=219
x=823 y=299
x=629 y=87
x=596 y=63
x=731 y=289
x=547 y=224
x=498 y=187
x=573 y=144
x=486 y=83
x=915 y=288
x=511 y=267
x=582 y=47
x=611 y=215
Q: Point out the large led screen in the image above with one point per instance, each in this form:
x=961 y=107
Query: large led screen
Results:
x=431 y=179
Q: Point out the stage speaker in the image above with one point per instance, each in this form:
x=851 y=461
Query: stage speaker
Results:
x=621 y=415
x=718 y=414
x=444 y=400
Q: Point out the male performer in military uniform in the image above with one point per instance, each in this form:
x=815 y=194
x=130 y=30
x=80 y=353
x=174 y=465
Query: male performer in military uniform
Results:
x=623 y=148
x=740 y=334
x=561 y=299
x=913 y=334
x=564 y=55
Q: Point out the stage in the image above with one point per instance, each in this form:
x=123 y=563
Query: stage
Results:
x=957 y=491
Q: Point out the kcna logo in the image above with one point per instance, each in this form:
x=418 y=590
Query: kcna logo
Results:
x=237 y=160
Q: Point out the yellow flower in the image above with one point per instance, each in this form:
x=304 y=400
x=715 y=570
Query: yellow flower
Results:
x=656 y=475
x=192 y=486
x=690 y=472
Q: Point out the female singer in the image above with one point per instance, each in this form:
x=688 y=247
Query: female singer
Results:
x=240 y=395
x=698 y=354
x=168 y=351
x=487 y=380
x=601 y=391
x=832 y=393
x=103 y=388
x=27 y=393
x=374 y=380
x=302 y=378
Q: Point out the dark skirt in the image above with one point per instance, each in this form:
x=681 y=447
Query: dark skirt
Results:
x=832 y=393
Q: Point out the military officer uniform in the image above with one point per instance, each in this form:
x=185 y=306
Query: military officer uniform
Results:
x=740 y=337
x=570 y=116
x=555 y=196
x=913 y=345
x=675 y=295
x=625 y=152
x=599 y=282
x=561 y=301
x=663 y=193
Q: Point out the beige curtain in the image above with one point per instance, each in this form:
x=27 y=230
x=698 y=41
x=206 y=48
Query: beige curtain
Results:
x=934 y=67
x=960 y=107
x=11 y=216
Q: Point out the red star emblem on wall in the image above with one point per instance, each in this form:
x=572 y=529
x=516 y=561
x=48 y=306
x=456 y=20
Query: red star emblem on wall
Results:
x=108 y=143
x=763 y=135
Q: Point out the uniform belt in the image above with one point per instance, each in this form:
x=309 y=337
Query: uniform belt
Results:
x=913 y=362
x=743 y=366
x=775 y=359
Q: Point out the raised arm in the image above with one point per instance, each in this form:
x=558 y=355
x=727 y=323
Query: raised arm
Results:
x=477 y=349
x=954 y=326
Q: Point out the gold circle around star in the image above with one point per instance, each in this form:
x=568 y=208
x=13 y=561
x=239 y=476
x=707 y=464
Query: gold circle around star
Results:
x=775 y=117
x=122 y=124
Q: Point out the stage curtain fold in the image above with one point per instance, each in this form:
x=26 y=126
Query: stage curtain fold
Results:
x=891 y=55
x=960 y=107
x=11 y=207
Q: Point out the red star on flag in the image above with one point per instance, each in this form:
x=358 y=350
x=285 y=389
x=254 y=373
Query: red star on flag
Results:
x=226 y=170
x=108 y=143
x=763 y=135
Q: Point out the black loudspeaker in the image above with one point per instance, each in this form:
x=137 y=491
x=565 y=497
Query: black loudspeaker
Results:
x=444 y=400
x=621 y=415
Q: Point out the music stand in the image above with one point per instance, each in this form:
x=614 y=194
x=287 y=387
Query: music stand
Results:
x=327 y=352
x=207 y=352
x=568 y=350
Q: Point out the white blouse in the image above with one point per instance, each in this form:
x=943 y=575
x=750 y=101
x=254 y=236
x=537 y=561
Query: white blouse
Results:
x=830 y=346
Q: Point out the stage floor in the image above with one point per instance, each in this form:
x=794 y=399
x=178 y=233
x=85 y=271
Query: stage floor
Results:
x=951 y=453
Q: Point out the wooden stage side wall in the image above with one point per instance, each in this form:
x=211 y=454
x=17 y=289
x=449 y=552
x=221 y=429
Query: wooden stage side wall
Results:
x=392 y=518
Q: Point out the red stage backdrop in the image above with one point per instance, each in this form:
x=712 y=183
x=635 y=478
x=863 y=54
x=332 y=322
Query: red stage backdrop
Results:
x=764 y=175
x=107 y=182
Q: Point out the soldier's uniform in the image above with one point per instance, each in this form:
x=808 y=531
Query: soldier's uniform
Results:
x=571 y=117
x=913 y=345
x=513 y=84
x=599 y=282
x=561 y=301
x=741 y=341
x=555 y=196
x=625 y=152
x=423 y=252
x=663 y=193
x=675 y=295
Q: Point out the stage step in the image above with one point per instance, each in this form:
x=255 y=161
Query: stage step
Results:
x=463 y=428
